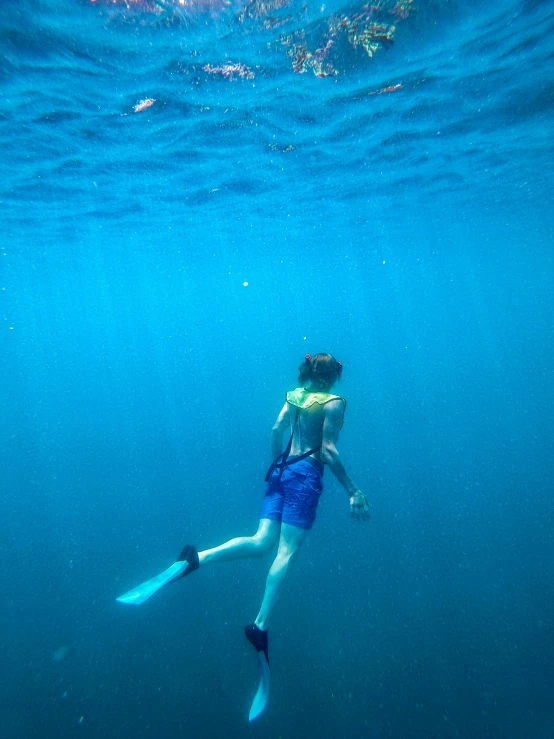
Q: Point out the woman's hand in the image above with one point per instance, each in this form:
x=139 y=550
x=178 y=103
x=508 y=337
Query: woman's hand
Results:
x=359 y=507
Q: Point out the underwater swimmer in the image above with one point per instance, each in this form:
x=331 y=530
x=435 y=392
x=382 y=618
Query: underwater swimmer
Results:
x=295 y=483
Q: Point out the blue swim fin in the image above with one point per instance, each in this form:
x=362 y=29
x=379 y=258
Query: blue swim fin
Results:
x=262 y=694
x=187 y=563
x=260 y=641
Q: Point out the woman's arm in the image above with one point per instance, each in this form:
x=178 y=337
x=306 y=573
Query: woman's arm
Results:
x=334 y=411
x=277 y=431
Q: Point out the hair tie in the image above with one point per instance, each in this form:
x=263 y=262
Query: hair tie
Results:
x=308 y=358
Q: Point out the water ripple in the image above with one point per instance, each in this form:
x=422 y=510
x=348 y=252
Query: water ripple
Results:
x=228 y=120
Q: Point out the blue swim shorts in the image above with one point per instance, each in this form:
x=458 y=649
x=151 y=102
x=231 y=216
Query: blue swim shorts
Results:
x=293 y=497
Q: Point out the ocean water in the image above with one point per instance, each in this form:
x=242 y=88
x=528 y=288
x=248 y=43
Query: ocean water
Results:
x=192 y=197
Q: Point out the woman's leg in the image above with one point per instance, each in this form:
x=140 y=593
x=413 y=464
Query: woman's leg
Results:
x=244 y=546
x=289 y=543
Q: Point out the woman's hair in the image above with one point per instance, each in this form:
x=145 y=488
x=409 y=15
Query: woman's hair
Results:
x=321 y=369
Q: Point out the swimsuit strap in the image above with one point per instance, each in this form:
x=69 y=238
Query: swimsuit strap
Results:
x=282 y=461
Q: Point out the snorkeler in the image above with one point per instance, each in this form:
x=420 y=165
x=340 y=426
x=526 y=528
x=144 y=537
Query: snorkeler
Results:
x=295 y=482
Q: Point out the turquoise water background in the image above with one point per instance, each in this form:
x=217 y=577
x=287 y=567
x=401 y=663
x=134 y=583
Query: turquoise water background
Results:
x=163 y=273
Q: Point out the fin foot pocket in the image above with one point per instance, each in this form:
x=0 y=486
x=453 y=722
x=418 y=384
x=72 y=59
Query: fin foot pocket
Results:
x=190 y=556
x=258 y=638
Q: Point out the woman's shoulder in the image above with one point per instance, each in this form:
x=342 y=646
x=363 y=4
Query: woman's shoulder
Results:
x=302 y=397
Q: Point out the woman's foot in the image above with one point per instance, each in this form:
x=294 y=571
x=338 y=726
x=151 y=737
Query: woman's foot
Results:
x=258 y=639
x=190 y=556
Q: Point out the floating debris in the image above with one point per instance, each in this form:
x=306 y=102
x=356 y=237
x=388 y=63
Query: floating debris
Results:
x=143 y=104
x=313 y=45
x=163 y=8
x=277 y=147
x=402 y=9
x=384 y=90
x=260 y=10
x=302 y=60
x=365 y=27
x=230 y=71
x=371 y=37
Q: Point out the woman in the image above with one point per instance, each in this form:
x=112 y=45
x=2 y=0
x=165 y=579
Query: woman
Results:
x=295 y=482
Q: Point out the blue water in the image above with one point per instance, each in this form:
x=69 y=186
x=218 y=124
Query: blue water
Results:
x=397 y=212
